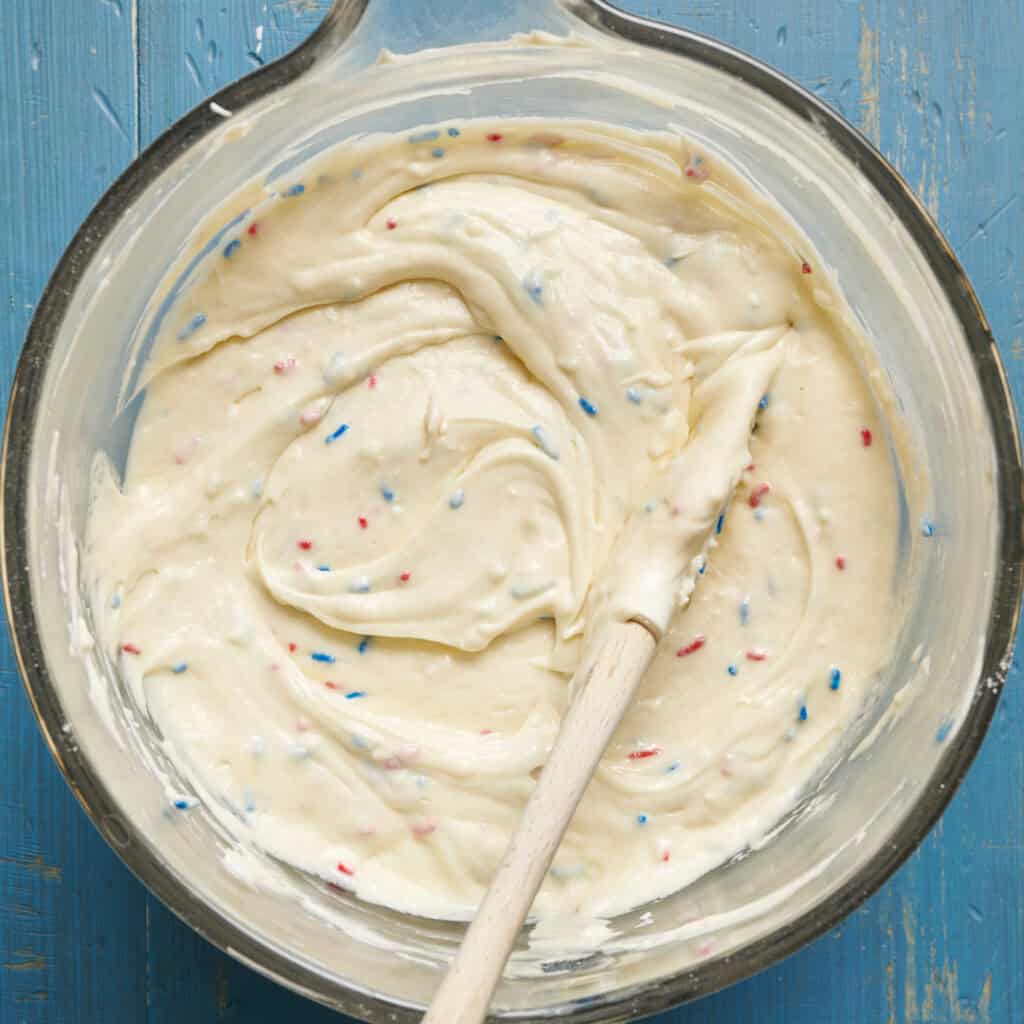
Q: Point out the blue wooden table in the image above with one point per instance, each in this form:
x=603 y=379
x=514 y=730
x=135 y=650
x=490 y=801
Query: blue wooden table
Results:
x=85 y=84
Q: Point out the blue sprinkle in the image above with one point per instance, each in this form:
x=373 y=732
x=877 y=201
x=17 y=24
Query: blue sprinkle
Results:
x=295 y=190
x=588 y=407
x=323 y=568
x=250 y=802
x=498 y=339
x=803 y=713
x=360 y=586
x=386 y=493
x=358 y=741
x=454 y=133
x=835 y=677
x=544 y=442
x=179 y=668
x=327 y=659
x=744 y=611
x=428 y=136
x=192 y=326
x=944 y=730
x=457 y=499
x=673 y=767
x=257 y=488
x=184 y=804
x=703 y=567
x=733 y=670
x=332 y=437
x=533 y=284
x=927 y=527
x=635 y=395
x=763 y=404
x=437 y=153
x=115 y=601
x=720 y=524
x=641 y=819
x=364 y=644
x=355 y=695
x=231 y=248
x=759 y=514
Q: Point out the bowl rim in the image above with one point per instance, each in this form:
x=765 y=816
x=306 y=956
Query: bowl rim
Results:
x=644 y=998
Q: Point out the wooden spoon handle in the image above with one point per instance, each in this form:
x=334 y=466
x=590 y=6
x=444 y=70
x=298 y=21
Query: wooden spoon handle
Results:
x=603 y=690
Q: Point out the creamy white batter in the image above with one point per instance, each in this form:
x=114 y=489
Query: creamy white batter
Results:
x=423 y=417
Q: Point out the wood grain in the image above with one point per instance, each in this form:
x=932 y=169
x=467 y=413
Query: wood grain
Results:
x=85 y=83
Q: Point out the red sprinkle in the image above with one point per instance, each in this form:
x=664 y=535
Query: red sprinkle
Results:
x=639 y=755
x=666 y=857
x=130 y=649
x=805 y=267
x=695 y=645
x=373 y=380
x=282 y=366
x=495 y=137
x=345 y=869
x=305 y=545
x=392 y=223
x=751 y=467
x=292 y=648
x=405 y=577
x=840 y=562
x=759 y=492
x=363 y=522
x=486 y=732
x=865 y=437
x=330 y=685
x=254 y=229
x=756 y=655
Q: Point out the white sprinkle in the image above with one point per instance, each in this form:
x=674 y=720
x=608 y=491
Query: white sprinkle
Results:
x=219 y=110
x=544 y=442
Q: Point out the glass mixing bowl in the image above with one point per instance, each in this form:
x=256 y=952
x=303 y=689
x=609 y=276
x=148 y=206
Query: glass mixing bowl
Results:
x=894 y=773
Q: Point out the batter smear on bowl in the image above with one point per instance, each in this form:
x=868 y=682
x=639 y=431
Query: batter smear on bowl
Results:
x=397 y=424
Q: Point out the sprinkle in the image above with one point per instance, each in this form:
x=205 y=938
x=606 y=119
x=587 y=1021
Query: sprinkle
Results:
x=805 y=267
x=423 y=827
x=292 y=648
x=391 y=223
x=231 y=248
x=693 y=646
x=641 y=819
x=363 y=522
x=587 y=406
x=283 y=366
x=115 y=601
x=453 y=133
x=534 y=287
x=635 y=395
x=927 y=528
x=355 y=694
x=544 y=442
x=744 y=611
x=764 y=402
x=803 y=713
x=192 y=326
x=703 y=566
x=313 y=414
x=835 y=677
x=405 y=577
x=757 y=654
x=387 y=494
x=364 y=644
x=295 y=190
x=184 y=804
x=371 y=381
x=865 y=437
x=695 y=169
x=437 y=153
x=254 y=229
x=426 y=136
x=327 y=659
x=344 y=868
x=328 y=685
x=498 y=339
x=840 y=562
x=130 y=649
x=494 y=137
x=179 y=668
x=733 y=670
x=360 y=586
x=457 y=499
x=758 y=493
x=323 y=568
x=673 y=767
x=640 y=755
x=944 y=730
x=720 y=523
x=666 y=857
x=335 y=368
x=304 y=545
x=335 y=434
x=257 y=488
